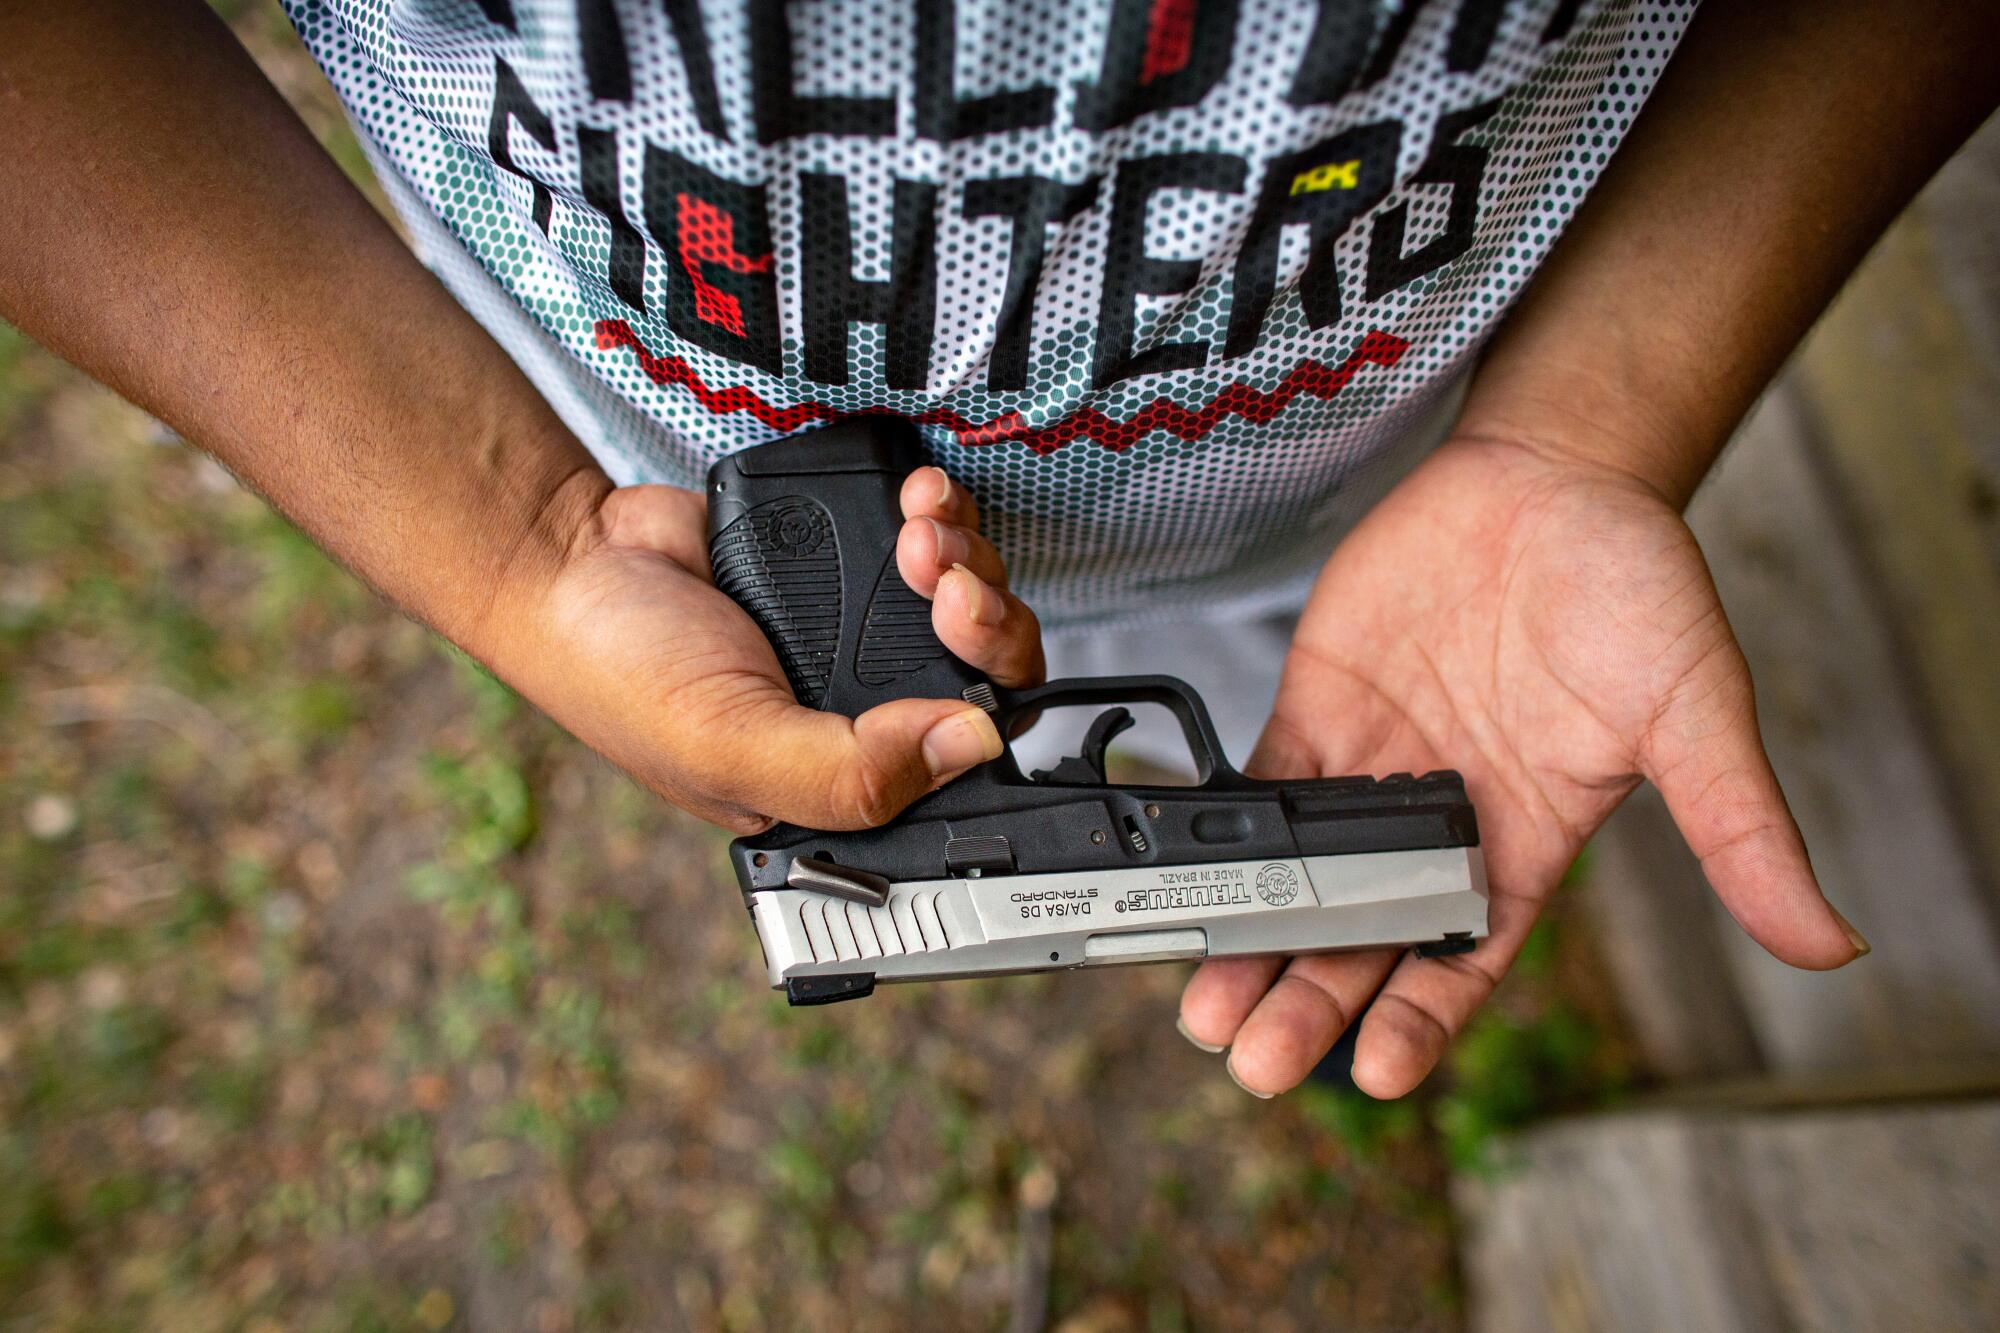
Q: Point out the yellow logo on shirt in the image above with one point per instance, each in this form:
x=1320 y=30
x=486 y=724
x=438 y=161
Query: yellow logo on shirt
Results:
x=1328 y=176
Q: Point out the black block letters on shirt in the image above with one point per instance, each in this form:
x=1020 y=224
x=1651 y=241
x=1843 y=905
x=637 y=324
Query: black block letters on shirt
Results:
x=722 y=271
x=905 y=301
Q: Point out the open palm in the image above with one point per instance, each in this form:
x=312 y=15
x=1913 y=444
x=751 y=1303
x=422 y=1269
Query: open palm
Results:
x=1549 y=629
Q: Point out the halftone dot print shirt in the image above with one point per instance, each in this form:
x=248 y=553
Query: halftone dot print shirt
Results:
x=1167 y=283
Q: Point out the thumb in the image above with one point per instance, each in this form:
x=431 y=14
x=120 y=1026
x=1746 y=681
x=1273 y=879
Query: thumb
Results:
x=1704 y=754
x=826 y=771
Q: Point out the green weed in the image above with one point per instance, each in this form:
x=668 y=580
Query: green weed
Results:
x=1508 y=1072
x=234 y=1092
x=385 y=1172
x=1364 y=1126
x=34 y=1225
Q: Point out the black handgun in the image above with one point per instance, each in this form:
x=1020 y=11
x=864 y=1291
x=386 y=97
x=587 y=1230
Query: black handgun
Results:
x=1000 y=871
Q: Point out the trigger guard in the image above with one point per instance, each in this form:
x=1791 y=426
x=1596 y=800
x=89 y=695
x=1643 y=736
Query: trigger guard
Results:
x=1211 y=768
x=1086 y=769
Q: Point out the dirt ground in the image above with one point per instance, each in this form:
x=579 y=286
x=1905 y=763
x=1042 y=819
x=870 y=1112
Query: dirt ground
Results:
x=339 y=990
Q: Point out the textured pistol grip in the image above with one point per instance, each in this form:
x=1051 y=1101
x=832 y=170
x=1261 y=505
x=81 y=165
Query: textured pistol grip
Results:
x=781 y=563
x=802 y=535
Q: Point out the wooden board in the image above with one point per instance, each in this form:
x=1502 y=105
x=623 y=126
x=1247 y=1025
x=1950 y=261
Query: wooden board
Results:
x=1901 y=383
x=1855 y=1220
x=1861 y=767
x=1663 y=942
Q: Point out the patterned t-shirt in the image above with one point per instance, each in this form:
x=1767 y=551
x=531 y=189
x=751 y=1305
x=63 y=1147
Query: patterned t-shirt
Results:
x=1169 y=283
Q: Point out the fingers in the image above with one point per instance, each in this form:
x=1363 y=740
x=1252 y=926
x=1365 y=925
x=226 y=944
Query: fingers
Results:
x=1304 y=1013
x=825 y=771
x=1705 y=756
x=942 y=530
x=1280 y=1017
x=1221 y=994
x=926 y=548
x=929 y=492
x=941 y=555
x=1293 y=1024
x=1426 y=1002
x=990 y=628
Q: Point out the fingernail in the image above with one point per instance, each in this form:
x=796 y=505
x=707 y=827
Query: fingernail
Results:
x=1854 y=937
x=952 y=547
x=1230 y=1065
x=960 y=741
x=983 y=606
x=1180 y=1026
x=944 y=487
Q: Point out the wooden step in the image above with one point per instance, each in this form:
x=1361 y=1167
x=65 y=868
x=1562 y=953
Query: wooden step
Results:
x=1878 y=1217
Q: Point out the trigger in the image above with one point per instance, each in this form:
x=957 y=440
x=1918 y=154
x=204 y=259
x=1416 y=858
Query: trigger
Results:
x=1087 y=769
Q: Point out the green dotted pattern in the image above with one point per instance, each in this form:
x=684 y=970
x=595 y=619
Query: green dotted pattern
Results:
x=1234 y=523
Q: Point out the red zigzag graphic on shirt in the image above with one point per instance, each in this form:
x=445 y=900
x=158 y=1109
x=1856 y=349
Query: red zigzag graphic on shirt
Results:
x=1377 y=348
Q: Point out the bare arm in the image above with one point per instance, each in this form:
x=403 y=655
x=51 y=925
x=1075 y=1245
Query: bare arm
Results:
x=176 y=231
x=171 y=228
x=1784 y=136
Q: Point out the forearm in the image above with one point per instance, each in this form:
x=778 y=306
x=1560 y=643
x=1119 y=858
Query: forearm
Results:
x=1785 y=135
x=175 y=231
